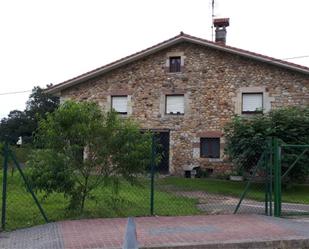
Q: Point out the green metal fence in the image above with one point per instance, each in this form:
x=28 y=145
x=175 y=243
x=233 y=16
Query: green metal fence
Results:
x=284 y=168
x=216 y=194
x=8 y=187
x=264 y=190
x=291 y=169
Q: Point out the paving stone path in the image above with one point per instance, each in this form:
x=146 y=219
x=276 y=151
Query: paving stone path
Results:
x=212 y=231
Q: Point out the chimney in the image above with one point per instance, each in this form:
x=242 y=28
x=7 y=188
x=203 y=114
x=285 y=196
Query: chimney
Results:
x=221 y=24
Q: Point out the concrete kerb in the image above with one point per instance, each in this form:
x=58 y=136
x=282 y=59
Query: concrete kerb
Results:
x=297 y=243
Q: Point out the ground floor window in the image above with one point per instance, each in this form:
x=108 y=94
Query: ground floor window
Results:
x=210 y=147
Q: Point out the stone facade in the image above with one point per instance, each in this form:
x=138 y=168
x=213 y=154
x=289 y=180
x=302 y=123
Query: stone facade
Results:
x=212 y=82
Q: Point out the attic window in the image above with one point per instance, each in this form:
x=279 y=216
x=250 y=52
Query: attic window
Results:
x=175 y=64
x=252 y=103
x=120 y=104
x=174 y=104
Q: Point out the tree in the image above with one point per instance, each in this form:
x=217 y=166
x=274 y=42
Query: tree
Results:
x=24 y=123
x=247 y=138
x=15 y=125
x=40 y=103
x=37 y=107
x=82 y=147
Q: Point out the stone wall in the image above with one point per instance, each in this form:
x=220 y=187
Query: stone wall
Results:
x=212 y=82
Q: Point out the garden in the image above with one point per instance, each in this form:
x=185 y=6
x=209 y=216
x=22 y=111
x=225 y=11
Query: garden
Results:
x=83 y=163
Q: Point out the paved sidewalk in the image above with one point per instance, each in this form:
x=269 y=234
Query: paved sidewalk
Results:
x=216 y=231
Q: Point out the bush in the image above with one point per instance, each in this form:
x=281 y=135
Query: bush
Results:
x=247 y=138
x=81 y=148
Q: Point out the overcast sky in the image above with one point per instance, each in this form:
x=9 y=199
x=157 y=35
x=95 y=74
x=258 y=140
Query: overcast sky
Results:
x=49 y=41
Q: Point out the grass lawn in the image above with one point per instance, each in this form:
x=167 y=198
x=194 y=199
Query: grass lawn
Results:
x=21 y=154
x=132 y=201
x=296 y=193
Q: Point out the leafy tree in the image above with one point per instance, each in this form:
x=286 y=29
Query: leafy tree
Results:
x=15 y=125
x=247 y=138
x=82 y=147
x=38 y=105
x=24 y=123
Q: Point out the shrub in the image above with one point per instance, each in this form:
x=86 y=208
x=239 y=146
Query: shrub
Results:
x=247 y=138
x=82 y=147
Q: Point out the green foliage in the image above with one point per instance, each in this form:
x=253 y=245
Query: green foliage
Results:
x=247 y=138
x=201 y=173
x=22 y=153
x=50 y=171
x=15 y=125
x=24 y=123
x=82 y=148
x=40 y=103
x=131 y=201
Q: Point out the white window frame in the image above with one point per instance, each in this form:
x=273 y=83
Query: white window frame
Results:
x=176 y=112
x=113 y=97
x=259 y=109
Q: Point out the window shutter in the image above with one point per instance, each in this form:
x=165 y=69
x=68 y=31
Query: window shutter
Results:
x=175 y=104
x=120 y=103
x=252 y=101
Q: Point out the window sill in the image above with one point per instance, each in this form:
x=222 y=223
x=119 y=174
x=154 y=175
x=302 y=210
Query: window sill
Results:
x=180 y=72
x=175 y=74
x=250 y=114
x=174 y=115
x=212 y=160
x=123 y=115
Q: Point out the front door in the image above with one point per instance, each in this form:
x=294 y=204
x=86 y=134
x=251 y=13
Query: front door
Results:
x=163 y=143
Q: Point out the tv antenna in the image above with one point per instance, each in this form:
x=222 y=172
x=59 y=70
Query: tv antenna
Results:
x=212 y=18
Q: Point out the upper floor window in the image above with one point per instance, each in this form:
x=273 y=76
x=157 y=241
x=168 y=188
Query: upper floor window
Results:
x=174 y=104
x=210 y=147
x=252 y=103
x=175 y=64
x=120 y=104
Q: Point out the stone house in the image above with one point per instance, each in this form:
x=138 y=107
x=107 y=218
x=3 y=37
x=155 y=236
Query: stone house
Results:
x=186 y=89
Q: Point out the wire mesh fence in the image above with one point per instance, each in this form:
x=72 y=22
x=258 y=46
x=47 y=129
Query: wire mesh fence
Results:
x=294 y=179
x=21 y=210
x=210 y=195
x=165 y=195
x=158 y=193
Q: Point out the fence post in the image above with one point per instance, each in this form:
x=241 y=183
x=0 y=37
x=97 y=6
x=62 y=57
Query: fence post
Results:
x=277 y=178
x=152 y=169
x=266 y=165
x=4 y=185
x=270 y=167
x=28 y=185
x=268 y=171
